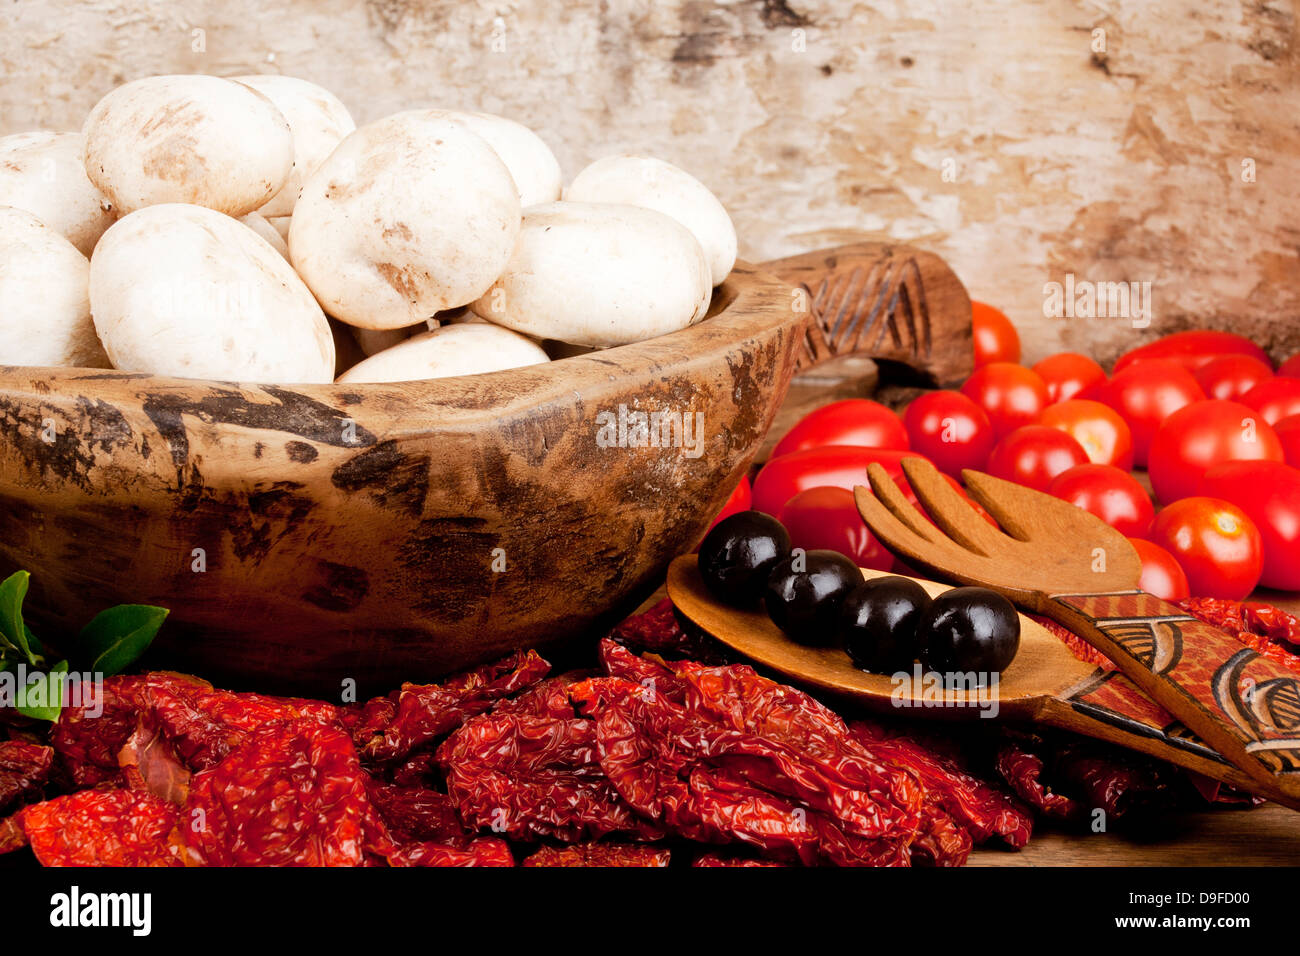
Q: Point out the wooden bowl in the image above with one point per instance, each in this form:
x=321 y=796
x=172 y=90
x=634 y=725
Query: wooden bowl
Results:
x=304 y=535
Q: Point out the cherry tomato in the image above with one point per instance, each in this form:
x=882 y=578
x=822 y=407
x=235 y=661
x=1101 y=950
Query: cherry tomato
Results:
x=1104 y=435
x=740 y=500
x=1275 y=399
x=1011 y=395
x=996 y=339
x=1232 y=376
x=1034 y=455
x=1162 y=575
x=826 y=517
x=1193 y=349
x=949 y=429
x=1290 y=368
x=1217 y=545
x=853 y=421
x=1206 y=433
x=840 y=466
x=1269 y=493
x=1288 y=433
x=1070 y=375
x=1145 y=395
x=1110 y=493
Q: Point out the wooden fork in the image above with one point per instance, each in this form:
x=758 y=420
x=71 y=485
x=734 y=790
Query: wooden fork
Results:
x=1055 y=559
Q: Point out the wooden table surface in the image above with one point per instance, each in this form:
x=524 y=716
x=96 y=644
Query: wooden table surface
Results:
x=1265 y=836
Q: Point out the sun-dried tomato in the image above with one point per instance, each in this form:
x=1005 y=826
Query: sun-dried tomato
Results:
x=972 y=806
x=722 y=859
x=600 y=854
x=100 y=828
x=291 y=794
x=203 y=724
x=547 y=698
x=420 y=714
x=417 y=814
x=745 y=759
x=660 y=630
x=24 y=770
x=485 y=851
x=529 y=776
x=88 y=736
x=1269 y=630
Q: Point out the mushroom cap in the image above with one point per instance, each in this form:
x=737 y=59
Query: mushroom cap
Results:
x=183 y=290
x=464 y=349
x=188 y=139
x=410 y=215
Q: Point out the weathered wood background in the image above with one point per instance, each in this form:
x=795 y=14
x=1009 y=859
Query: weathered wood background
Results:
x=1111 y=139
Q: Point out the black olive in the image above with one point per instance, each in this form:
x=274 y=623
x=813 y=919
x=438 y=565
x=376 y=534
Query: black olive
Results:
x=804 y=594
x=970 y=630
x=739 y=553
x=879 y=623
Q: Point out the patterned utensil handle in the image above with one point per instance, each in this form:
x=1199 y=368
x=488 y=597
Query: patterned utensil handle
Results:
x=1244 y=705
x=893 y=303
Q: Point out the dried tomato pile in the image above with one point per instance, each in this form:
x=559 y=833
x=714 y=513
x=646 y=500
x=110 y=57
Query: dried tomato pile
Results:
x=664 y=751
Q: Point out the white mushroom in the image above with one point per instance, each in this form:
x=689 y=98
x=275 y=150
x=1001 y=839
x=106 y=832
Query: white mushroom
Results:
x=262 y=226
x=43 y=173
x=532 y=165
x=408 y=216
x=464 y=349
x=188 y=139
x=600 y=274
x=374 y=341
x=44 y=309
x=183 y=290
x=319 y=121
x=655 y=184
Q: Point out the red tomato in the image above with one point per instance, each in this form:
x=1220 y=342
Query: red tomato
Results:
x=1269 y=493
x=1011 y=395
x=1145 y=395
x=1110 y=493
x=825 y=517
x=741 y=499
x=1070 y=375
x=996 y=339
x=1290 y=368
x=1275 y=399
x=1232 y=376
x=1192 y=349
x=1204 y=434
x=840 y=466
x=1162 y=575
x=949 y=429
x=853 y=421
x=1104 y=435
x=1288 y=433
x=1218 y=547
x=1032 y=456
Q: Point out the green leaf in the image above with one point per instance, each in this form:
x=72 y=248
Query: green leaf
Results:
x=41 y=698
x=117 y=637
x=12 y=629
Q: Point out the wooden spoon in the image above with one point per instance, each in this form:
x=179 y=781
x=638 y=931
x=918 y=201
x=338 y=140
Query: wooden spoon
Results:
x=1045 y=684
x=1066 y=564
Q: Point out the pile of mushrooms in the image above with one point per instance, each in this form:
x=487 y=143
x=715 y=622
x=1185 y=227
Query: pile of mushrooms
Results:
x=245 y=229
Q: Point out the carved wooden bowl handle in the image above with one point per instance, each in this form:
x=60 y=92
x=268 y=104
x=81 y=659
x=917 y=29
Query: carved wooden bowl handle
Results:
x=897 y=304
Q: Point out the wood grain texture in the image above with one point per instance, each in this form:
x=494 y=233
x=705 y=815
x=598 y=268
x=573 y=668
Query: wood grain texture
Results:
x=1265 y=836
x=303 y=535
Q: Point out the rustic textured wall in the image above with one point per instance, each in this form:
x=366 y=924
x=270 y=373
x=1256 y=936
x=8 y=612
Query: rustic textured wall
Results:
x=820 y=121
